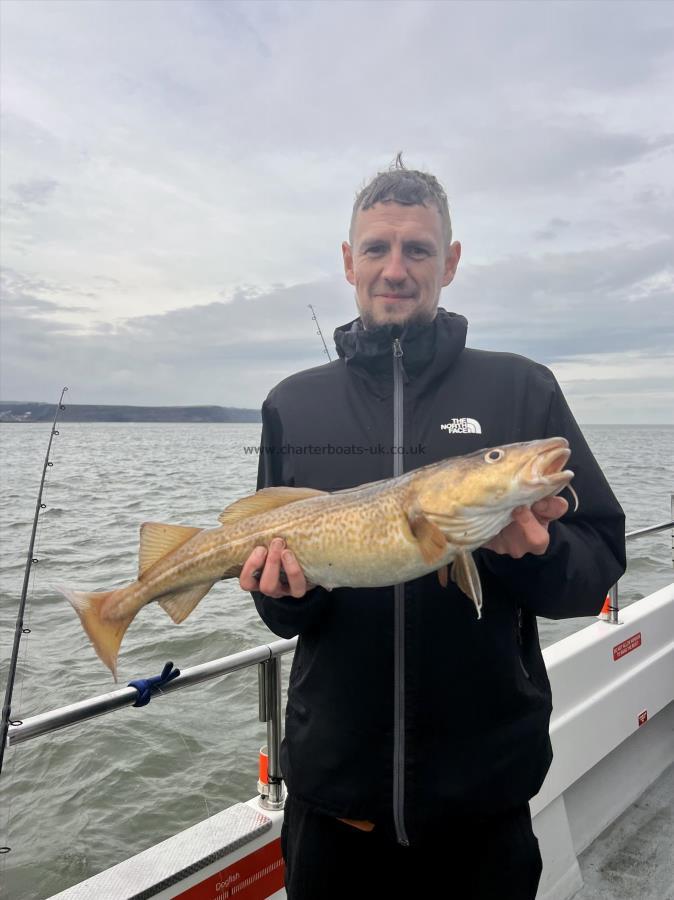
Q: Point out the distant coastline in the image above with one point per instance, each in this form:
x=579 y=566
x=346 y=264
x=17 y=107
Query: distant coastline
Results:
x=18 y=412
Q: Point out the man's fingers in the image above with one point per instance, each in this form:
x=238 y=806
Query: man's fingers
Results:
x=496 y=544
x=296 y=580
x=248 y=579
x=533 y=536
x=525 y=534
x=262 y=572
x=270 y=582
x=549 y=509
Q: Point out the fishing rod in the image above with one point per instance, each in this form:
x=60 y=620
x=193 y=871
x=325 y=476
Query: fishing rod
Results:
x=31 y=560
x=319 y=332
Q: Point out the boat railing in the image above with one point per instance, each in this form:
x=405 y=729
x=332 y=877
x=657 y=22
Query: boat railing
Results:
x=614 y=596
x=267 y=657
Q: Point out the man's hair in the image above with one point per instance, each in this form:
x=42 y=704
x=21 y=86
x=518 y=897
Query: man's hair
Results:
x=408 y=187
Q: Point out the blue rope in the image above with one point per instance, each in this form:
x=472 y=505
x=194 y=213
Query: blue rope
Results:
x=146 y=687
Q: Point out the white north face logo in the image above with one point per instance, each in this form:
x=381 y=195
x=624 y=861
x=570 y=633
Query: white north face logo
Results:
x=462 y=426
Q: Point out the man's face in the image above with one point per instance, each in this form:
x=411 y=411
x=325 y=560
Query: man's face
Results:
x=399 y=263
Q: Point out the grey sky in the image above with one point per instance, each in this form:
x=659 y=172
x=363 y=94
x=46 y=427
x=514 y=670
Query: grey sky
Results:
x=178 y=176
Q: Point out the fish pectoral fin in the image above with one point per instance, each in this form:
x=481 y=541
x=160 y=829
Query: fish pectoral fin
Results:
x=158 y=540
x=264 y=500
x=179 y=604
x=432 y=542
x=443 y=576
x=466 y=576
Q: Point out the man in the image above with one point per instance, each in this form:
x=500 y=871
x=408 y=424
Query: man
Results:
x=416 y=734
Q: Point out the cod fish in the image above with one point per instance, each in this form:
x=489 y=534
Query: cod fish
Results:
x=373 y=535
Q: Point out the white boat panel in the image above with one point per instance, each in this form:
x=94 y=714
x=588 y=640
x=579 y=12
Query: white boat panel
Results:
x=607 y=752
x=620 y=779
x=561 y=876
x=598 y=698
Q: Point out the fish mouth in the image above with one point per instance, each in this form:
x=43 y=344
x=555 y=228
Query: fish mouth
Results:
x=547 y=466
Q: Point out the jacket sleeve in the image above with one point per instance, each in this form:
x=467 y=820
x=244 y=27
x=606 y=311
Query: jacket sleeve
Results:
x=285 y=616
x=586 y=554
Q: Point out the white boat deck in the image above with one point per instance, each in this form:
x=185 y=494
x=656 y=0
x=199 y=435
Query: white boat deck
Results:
x=634 y=856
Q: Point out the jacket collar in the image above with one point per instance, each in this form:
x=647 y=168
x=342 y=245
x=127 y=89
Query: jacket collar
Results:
x=428 y=349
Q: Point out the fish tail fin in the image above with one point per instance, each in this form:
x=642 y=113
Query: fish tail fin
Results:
x=105 y=634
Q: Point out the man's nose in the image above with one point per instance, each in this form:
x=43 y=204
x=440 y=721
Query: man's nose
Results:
x=394 y=267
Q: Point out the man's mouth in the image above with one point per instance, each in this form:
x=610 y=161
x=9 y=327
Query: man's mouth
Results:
x=395 y=296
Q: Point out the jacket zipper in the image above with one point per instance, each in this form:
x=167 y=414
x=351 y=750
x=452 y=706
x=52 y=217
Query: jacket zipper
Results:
x=399 y=630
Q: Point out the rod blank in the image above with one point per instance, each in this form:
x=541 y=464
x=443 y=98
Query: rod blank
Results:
x=30 y=562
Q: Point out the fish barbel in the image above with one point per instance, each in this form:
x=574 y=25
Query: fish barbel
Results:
x=374 y=535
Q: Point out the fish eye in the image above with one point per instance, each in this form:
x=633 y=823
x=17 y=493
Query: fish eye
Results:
x=494 y=456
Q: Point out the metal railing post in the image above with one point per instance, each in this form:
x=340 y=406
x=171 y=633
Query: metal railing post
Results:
x=613 y=606
x=269 y=684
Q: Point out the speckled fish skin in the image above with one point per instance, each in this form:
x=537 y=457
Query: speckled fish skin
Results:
x=369 y=536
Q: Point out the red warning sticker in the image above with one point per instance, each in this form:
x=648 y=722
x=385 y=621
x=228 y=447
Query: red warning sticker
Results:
x=643 y=718
x=253 y=877
x=627 y=646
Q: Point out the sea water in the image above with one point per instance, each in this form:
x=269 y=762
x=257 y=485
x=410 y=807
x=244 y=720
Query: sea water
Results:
x=77 y=801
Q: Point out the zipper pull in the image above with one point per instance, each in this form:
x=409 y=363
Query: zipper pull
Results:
x=397 y=349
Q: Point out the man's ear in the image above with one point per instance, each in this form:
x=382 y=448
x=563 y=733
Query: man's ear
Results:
x=452 y=257
x=347 y=254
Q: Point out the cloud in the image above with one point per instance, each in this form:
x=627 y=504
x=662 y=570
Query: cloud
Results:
x=21 y=295
x=552 y=229
x=227 y=353
x=178 y=178
x=604 y=324
x=634 y=387
x=561 y=307
x=35 y=190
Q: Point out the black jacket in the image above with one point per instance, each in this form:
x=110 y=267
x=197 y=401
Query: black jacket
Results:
x=407 y=710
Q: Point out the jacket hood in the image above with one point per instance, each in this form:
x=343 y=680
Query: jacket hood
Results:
x=429 y=348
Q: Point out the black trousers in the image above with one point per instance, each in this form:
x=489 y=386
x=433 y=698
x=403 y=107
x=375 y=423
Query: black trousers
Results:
x=495 y=859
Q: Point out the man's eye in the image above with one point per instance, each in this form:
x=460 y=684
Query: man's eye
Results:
x=374 y=250
x=418 y=251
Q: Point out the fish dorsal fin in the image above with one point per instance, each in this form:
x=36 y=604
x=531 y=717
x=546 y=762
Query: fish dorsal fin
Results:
x=466 y=576
x=157 y=540
x=361 y=487
x=179 y=604
x=264 y=500
x=432 y=542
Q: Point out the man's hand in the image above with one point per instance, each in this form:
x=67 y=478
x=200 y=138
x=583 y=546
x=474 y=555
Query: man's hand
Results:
x=528 y=531
x=262 y=572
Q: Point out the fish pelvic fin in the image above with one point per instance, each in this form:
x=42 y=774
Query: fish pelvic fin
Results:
x=442 y=576
x=466 y=576
x=264 y=500
x=158 y=540
x=432 y=542
x=105 y=634
x=179 y=604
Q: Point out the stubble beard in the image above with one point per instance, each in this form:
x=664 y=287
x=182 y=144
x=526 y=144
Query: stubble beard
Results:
x=391 y=316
